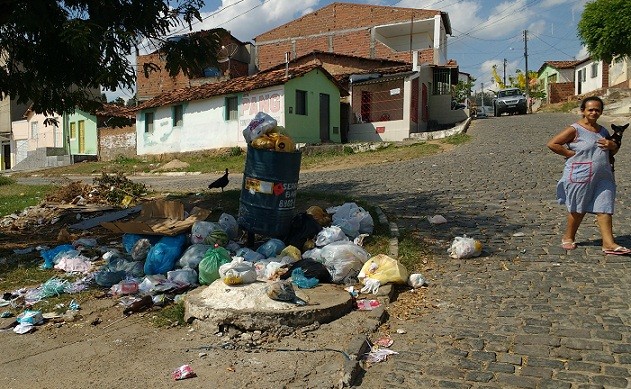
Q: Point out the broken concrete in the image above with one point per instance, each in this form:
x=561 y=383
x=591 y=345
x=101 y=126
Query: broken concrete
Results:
x=249 y=308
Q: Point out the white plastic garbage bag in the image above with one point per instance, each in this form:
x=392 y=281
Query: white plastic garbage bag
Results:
x=352 y=219
x=464 y=247
x=237 y=272
x=344 y=260
x=329 y=235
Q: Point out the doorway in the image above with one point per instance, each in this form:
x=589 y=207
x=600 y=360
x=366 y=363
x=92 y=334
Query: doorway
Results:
x=6 y=156
x=325 y=118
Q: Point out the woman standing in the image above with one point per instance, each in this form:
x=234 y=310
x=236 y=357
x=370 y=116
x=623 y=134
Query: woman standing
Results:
x=588 y=184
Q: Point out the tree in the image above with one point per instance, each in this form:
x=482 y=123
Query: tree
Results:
x=58 y=54
x=463 y=89
x=604 y=29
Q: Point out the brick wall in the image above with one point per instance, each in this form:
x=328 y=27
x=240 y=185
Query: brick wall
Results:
x=157 y=82
x=560 y=91
x=340 y=27
x=114 y=142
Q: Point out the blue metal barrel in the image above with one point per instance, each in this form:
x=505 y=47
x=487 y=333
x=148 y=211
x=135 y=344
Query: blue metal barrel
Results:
x=268 y=194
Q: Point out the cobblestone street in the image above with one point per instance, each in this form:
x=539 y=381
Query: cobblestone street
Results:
x=527 y=313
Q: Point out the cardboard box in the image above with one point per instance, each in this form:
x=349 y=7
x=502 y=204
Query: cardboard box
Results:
x=159 y=217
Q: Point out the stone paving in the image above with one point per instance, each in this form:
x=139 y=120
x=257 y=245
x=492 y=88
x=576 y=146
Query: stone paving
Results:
x=526 y=314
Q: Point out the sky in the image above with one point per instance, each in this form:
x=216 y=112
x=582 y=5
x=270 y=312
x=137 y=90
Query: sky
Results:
x=484 y=32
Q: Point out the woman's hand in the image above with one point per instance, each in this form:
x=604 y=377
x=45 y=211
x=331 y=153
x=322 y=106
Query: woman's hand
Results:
x=607 y=144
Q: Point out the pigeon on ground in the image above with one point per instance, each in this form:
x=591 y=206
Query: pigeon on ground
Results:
x=284 y=291
x=221 y=182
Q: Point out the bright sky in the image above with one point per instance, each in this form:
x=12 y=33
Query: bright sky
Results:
x=485 y=32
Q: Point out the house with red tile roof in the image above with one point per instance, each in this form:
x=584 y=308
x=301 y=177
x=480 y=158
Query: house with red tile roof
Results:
x=557 y=79
x=384 y=104
x=304 y=100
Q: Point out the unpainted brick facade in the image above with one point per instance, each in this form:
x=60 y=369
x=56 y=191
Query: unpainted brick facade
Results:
x=115 y=142
x=340 y=27
x=561 y=91
x=156 y=82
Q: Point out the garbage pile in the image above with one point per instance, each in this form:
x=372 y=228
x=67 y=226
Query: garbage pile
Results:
x=324 y=246
x=106 y=192
x=263 y=132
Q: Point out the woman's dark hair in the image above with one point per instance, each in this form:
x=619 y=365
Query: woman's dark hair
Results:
x=592 y=98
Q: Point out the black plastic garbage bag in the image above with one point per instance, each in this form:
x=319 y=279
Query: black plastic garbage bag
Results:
x=302 y=228
x=311 y=269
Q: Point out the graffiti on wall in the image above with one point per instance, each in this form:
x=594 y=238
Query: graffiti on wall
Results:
x=270 y=102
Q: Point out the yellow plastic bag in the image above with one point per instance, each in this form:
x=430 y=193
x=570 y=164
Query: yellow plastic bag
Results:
x=292 y=252
x=264 y=142
x=383 y=269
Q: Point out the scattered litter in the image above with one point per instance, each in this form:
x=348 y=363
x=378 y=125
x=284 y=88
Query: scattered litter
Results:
x=384 y=341
x=416 y=280
x=401 y=331
x=463 y=247
x=379 y=355
x=183 y=372
x=23 y=251
x=517 y=234
x=367 y=305
x=436 y=219
x=23 y=328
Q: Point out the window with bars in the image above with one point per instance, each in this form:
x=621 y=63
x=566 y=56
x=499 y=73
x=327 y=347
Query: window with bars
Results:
x=149 y=122
x=232 y=108
x=34 y=130
x=378 y=102
x=442 y=82
x=178 y=115
x=301 y=102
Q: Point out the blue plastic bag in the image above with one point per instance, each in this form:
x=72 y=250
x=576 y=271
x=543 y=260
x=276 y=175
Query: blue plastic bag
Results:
x=271 y=248
x=298 y=277
x=162 y=256
x=49 y=255
x=130 y=240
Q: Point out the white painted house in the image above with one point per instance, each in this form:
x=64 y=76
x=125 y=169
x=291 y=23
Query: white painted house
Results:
x=303 y=100
x=589 y=76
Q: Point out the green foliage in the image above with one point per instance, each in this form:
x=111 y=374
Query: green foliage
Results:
x=60 y=53
x=604 y=29
x=4 y=180
x=463 y=89
x=348 y=150
x=236 y=151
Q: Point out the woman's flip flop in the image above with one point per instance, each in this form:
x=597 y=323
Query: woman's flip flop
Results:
x=617 y=251
x=569 y=245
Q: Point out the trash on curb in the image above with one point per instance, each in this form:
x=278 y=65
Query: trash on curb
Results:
x=183 y=372
x=379 y=355
x=367 y=305
x=436 y=219
x=464 y=247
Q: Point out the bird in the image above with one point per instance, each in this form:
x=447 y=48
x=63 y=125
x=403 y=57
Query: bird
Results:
x=221 y=182
x=284 y=291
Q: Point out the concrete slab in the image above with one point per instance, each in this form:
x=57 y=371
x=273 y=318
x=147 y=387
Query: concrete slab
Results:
x=248 y=307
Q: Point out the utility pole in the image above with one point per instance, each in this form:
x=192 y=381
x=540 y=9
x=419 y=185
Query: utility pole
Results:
x=504 y=72
x=482 y=86
x=526 y=60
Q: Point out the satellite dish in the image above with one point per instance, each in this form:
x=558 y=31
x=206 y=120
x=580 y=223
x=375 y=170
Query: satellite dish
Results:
x=227 y=52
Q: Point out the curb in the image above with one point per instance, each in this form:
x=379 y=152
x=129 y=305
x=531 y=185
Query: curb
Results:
x=360 y=344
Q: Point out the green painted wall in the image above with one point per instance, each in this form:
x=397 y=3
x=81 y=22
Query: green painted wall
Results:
x=306 y=128
x=91 y=140
x=544 y=74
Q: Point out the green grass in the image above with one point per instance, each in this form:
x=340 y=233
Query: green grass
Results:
x=457 y=139
x=171 y=315
x=15 y=197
